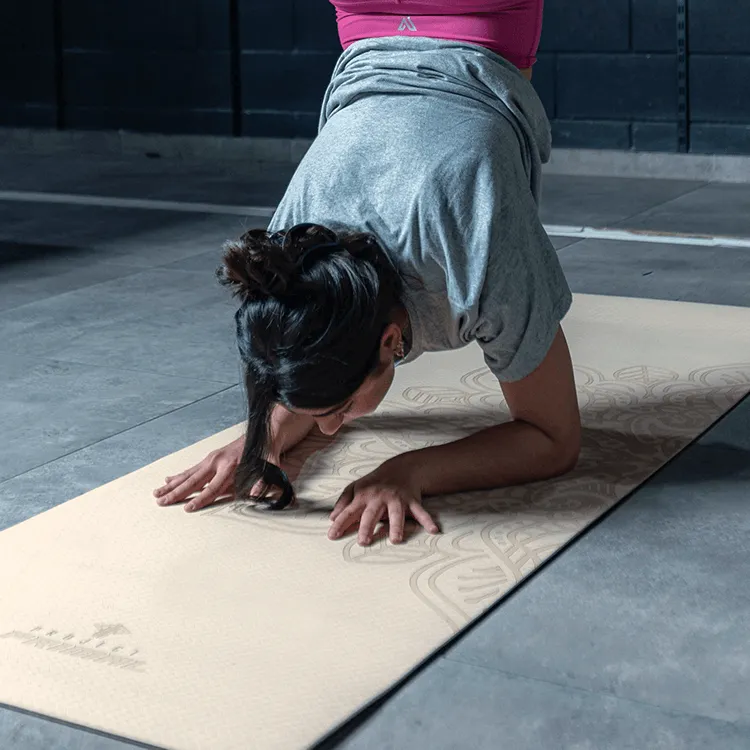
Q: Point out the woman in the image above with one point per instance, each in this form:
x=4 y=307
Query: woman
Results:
x=412 y=226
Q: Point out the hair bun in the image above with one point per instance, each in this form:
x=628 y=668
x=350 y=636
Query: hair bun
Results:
x=256 y=266
x=261 y=265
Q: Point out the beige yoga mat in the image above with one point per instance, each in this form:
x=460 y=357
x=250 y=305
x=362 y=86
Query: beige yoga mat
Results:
x=245 y=630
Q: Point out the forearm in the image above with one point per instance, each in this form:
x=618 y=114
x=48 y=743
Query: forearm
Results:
x=507 y=454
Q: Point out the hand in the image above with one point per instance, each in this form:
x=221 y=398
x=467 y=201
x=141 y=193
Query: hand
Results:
x=389 y=492
x=212 y=478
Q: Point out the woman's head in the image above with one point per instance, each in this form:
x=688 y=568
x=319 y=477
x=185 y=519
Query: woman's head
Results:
x=316 y=329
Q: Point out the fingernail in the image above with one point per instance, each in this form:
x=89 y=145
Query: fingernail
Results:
x=189 y=508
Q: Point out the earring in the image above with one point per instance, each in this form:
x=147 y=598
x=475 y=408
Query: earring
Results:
x=400 y=352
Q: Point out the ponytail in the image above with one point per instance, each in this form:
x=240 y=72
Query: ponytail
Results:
x=253 y=467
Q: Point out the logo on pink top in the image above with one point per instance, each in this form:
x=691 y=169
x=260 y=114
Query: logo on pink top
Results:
x=407 y=24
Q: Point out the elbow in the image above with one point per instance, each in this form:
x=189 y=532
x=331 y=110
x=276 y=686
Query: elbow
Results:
x=568 y=459
x=567 y=451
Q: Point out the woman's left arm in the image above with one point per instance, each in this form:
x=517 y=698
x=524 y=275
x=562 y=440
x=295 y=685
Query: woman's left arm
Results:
x=541 y=442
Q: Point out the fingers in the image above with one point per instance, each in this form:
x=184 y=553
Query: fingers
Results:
x=180 y=491
x=423 y=517
x=221 y=484
x=367 y=523
x=347 y=518
x=396 y=521
x=349 y=511
x=171 y=482
x=182 y=475
x=346 y=497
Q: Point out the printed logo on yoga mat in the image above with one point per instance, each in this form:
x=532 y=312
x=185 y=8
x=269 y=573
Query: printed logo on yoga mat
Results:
x=109 y=644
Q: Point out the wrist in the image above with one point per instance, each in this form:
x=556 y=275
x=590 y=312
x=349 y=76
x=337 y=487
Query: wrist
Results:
x=409 y=464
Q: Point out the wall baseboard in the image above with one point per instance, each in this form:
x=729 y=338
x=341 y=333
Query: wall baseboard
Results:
x=665 y=166
x=123 y=143
x=593 y=163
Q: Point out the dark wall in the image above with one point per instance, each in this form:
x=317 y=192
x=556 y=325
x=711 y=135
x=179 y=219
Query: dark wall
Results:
x=608 y=74
x=28 y=68
x=607 y=70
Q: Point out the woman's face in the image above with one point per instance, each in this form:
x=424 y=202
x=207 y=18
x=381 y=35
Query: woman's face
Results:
x=369 y=395
x=366 y=399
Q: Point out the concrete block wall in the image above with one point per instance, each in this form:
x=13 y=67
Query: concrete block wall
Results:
x=720 y=76
x=28 y=65
x=607 y=71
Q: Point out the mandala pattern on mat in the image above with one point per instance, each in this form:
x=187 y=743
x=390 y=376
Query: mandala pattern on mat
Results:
x=635 y=420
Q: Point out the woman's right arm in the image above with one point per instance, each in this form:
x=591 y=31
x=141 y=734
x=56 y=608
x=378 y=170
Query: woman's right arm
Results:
x=287 y=431
x=213 y=477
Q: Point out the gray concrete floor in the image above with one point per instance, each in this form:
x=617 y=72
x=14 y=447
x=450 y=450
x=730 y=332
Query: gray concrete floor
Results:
x=117 y=349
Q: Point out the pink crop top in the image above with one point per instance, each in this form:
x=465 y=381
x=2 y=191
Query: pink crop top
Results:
x=509 y=27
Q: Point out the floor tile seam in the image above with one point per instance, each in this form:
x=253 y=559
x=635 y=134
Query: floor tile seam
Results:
x=181 y=378
x=162 y=266
x=661 y=204
x=117 y=434
x=572 y=244
x=179 y=206
x=133 y=271
x=103 y=263
x=605 y=693
x=172 y=266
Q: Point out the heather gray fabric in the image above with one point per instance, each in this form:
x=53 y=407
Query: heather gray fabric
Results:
x=436 y=148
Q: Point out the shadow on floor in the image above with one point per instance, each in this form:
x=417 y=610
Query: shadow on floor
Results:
x=12 y=252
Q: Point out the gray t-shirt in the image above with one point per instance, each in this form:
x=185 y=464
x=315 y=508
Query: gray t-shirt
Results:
x=436 y=147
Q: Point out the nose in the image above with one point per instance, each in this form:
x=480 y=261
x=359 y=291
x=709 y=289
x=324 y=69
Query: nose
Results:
x=330 y=425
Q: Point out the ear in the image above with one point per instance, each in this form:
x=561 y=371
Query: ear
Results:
x=389 y=342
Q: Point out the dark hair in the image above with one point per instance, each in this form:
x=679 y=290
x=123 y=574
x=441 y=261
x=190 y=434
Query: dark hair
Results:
x=314 y=306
